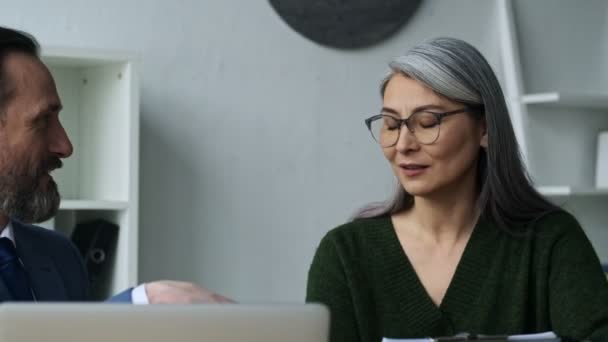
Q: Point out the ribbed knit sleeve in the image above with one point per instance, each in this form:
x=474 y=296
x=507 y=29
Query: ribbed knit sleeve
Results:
x=327 y=285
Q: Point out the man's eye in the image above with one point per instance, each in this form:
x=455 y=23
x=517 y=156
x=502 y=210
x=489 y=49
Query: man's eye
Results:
x=43 y=121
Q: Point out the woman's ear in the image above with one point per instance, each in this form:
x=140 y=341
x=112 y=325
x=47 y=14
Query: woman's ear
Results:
x=484 y=134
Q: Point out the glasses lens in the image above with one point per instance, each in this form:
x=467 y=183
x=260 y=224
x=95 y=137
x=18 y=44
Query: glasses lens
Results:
x=385 y=130
x=424 y=126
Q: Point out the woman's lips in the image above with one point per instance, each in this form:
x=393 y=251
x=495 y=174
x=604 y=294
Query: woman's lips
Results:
x=412 y=170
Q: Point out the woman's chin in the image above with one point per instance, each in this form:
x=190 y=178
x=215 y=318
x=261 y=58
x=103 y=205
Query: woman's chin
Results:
x=418 y=191
x=417 y=187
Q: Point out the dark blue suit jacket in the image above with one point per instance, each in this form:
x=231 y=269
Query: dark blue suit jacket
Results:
x=54 y=266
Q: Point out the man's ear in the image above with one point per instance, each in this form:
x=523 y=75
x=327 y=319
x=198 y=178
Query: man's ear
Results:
x=484 y=131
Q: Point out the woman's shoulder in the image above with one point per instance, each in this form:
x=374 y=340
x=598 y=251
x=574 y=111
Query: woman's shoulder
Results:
x=359 y=228
x=552 y=229
x=356 y=235
x=557 y=223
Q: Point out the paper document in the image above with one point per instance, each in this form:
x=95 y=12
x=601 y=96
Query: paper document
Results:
x=548 y=336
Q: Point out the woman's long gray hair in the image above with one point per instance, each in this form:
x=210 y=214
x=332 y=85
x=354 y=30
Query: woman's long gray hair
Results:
x=457 y=71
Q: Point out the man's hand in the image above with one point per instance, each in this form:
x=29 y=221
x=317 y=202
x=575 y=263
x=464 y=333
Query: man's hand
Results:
x=178 y=292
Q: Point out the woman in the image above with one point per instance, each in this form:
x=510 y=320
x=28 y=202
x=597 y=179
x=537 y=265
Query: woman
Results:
x=467 y=244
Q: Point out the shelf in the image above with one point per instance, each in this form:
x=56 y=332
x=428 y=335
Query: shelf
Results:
x=564 y=99
x=78 y=57
x=559 y=191
x=93 y=205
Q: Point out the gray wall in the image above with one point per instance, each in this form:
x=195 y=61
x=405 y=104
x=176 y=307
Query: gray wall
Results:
x=252 y=137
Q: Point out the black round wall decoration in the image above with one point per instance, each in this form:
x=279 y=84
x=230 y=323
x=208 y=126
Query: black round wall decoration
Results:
x=346 y=24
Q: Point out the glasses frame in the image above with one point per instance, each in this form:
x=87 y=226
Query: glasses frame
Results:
x=401 y=122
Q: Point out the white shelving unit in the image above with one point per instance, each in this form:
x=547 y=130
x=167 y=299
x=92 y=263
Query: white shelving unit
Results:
x=555 y=66
x=559 y=191
x=568 y=100
x=99 y=92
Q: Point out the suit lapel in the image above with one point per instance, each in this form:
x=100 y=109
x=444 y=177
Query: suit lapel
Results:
x=44 y=276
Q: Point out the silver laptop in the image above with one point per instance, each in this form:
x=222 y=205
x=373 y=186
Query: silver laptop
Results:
x=163 y=323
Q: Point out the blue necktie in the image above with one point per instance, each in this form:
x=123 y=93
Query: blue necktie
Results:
x=12 y=272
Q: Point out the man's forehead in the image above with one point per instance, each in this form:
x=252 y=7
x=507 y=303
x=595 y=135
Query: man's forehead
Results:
x=25 y=69
x=27 y=72
x=31 y=84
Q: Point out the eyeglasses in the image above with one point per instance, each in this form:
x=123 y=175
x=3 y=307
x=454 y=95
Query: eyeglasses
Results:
x=424 y=125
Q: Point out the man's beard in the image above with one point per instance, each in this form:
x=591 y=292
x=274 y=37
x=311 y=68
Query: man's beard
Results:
x=23 y=197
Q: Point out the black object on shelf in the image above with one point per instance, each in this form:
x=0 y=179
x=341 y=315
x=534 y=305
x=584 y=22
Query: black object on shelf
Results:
x=96 y=242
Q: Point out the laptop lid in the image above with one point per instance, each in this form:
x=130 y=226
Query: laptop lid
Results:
x=163 y=323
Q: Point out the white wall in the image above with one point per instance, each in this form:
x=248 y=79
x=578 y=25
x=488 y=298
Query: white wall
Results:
x=253 y=143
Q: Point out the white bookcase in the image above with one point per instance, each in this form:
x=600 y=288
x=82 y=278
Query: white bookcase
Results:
x=100 y=95
x=555 y=67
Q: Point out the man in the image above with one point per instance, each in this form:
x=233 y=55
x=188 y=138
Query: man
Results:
x=37 y=264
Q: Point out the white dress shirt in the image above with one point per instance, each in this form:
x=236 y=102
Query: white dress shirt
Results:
x=7 y=232
x=138 y=295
